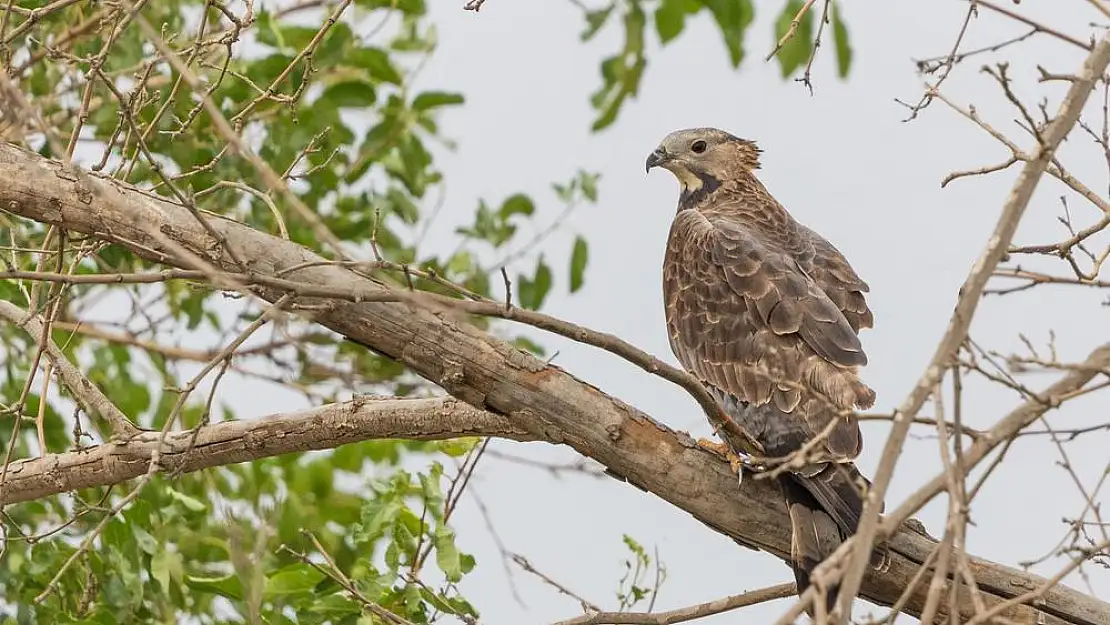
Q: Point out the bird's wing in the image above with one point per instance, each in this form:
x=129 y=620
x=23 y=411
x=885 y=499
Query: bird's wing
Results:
x=838 y=280
x=747 y=319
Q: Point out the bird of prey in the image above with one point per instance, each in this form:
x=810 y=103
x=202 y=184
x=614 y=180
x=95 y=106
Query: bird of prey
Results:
x=766 y=313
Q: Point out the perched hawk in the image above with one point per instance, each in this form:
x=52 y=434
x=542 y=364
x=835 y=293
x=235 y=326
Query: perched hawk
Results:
x=765 y=312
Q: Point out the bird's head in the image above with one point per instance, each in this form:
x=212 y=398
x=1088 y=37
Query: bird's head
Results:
x=700 y=156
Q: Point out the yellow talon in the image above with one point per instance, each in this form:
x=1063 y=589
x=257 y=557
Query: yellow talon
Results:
x=722 y=449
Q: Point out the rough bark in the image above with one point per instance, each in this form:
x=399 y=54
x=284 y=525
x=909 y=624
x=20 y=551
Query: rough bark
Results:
x=545 y=401
x=230 y=442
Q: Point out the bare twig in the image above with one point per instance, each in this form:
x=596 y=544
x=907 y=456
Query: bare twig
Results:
x=1033 y=24
x=688 y=613
x=524 y=564
x=789 y=34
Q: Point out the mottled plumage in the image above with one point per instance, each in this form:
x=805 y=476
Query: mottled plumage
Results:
x=765 y=312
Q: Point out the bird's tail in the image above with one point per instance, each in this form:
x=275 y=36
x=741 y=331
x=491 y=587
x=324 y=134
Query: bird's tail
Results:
x=825 y=509
x=814 y=536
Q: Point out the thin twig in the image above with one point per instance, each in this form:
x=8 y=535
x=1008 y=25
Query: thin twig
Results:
x=523 y=563
x=689 y=613
x=792 y=30
x=1035 y=25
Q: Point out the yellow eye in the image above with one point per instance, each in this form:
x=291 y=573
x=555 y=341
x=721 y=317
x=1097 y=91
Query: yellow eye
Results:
x=698 y=146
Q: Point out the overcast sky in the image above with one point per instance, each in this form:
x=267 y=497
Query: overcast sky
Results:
x=842 y=162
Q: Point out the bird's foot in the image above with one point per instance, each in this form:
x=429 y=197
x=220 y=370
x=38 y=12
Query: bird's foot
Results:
x=734 y=461
x=714 y=446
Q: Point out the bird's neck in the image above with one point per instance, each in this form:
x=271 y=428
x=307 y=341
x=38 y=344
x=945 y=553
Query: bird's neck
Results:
x=743 y=199
x=696 y=187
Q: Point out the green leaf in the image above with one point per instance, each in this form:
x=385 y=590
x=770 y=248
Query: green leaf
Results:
x=401 y=204
x=595 y=20
x=565 y=192
x=797 y=49
x=579 y=256
x=336 y=45
x=429 y=484
x=292 y=579
x=144 y=540
x=670 y=19
x=438 y=602
x=165 y=567
x=733 y=17
x=621 y=73
x=377 y=62
x=460 y=263
x=518 y=204
x=350 y=94
x=457 y=447
x=192 y=503
x=588 y=181
x=489 y=226
x=229 y=586
x=376 y=515
x=636 y=548
x=434 y=99
x=532 y=291
x=840 y=40
x=335 y=607
x=447 y=554
x=411 y=7
x=414 y=602
x=288 y=37
x=410 y=522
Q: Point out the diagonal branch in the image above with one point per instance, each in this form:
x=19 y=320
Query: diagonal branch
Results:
x=689 y=613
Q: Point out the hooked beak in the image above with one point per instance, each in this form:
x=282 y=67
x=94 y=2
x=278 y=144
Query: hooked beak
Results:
x=658 y=157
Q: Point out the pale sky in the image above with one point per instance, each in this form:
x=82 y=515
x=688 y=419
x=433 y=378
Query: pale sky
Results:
x=843 y=163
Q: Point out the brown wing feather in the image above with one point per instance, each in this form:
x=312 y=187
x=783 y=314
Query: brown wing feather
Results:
x=747 y=318
x=839 y=281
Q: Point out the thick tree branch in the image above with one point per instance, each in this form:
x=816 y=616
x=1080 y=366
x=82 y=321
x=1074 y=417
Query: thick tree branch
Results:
x=230 y=442
x=541 y=399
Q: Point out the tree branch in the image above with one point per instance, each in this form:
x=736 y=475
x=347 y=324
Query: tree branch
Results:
x=230 y=442
x=539 y=398
x=689 y=613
